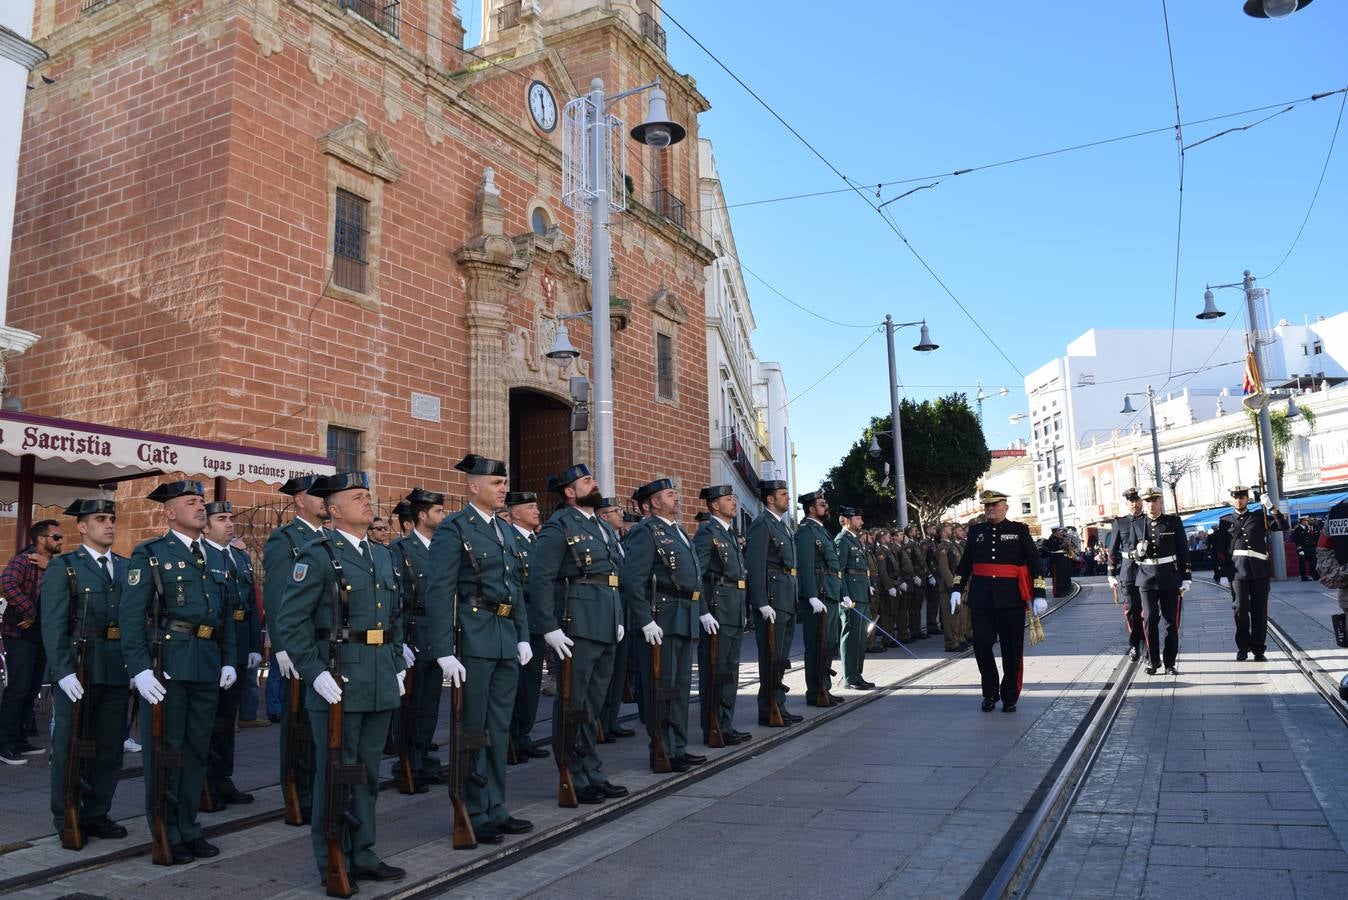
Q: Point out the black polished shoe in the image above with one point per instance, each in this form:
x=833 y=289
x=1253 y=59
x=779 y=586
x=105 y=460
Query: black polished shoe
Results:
x=621 y=731
x=738 y=737
x=611 y=790
x=355 y=888
x=1242 y=655
x=218 y=805
x=201 y=848
x=834 y=699
x=420 y=787
x=385 y=872
x=1134 y=653
x=181 y=855
x=1171 y=670
x=487 y=834
x=432 y=777
x=810 y=702
x=103 y=827
x=1151 y=669
x=1259 y=656
x=513 y=825
x=234 y=795
x=1008 y=707
x=792 y=718
x=764 y=723
x=989 y=705
x=696 y=759
x=679 y=764
x=589 y=794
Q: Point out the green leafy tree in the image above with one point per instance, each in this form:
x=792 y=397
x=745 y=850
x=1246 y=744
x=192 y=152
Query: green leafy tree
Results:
x=944 y=454
x=1248 y=438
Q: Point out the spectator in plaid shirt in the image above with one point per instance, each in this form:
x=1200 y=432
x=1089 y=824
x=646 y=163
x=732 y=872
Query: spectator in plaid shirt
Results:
x=25 y=658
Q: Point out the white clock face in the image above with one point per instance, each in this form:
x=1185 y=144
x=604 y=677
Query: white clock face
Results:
x=542 y=106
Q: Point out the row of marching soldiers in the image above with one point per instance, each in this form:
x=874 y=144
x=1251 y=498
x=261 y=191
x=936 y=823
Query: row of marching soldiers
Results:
x=912 y=575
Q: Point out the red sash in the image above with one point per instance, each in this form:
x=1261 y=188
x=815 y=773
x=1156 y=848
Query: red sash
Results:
x=1007 y=570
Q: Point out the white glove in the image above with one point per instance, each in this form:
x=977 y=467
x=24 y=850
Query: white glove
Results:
x=1141 y=548
x=409 y=656
x=954 y=601
x=524 y=653
x=622 y=633
x=284 y=665
x=149 y=686
x=559 y=642
x=402 y=679
x=71 y=685
x=327 y=688
x=817 y=605
x=1185 y=585
x=1040 y=606
x=931 y=580
x=903 y=586
x=768 y=613
x=872 y=590
x=848 y=603
x=452 y=669
x=1113 y=582
x=653 y=633
x=228 y=676
x=709 y=623
x=893 y=592
x=254 y=660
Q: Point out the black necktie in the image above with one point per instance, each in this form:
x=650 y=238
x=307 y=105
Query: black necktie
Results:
x=107 y=569
x=196 y=554
x=361 y=549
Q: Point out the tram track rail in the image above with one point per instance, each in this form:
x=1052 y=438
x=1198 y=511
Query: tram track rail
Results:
x=533 y=844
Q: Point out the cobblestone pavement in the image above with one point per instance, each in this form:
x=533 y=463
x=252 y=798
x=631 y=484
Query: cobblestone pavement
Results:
x=1230 y=780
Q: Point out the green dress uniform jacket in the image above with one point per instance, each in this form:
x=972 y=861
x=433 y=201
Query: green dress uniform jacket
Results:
x=412 y=558
x=196 y=596
x=94 y=614
x=243 y=613
x=821 y=577
x=723 y=586
x=770 y=569
x=856 y=577
x=370 y=610
x=243 y=620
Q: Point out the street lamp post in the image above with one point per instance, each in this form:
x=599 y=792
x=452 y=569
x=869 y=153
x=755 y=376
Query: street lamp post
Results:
x=1057 y=484
x=923 y=345
x=1272 y=488
x=1155 y=444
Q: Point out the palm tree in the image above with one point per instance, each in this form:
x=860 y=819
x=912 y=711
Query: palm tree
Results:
x=1279 y=424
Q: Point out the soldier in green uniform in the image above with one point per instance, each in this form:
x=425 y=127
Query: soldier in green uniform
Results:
x=947 y=560
x=412 y=554
x=888 y=594
x=170 y=575
x=341 y=560
x=474 y=564
x=661 y=589
x=856 y=580
x=770 y=563
x=278 y=557
x=574 y=572
x=247 y=650
x=611 y=517
x=904 y=578
x=525 y=519
x=821 y=591
x=916 y=574
x=723 y=585
x=80 y=595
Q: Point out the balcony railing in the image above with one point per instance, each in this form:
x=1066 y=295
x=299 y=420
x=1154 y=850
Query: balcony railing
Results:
x=382 y=14
x=669 y=206
x=89 y=6
x=508 y=16
x=651 y=31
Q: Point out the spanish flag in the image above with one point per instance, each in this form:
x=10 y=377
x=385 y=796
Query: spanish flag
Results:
x=1252 y=383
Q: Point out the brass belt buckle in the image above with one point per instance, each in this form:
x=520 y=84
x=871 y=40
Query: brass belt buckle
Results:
x=114 y=633
x=374 y=637
x=612 y=581
x=503 y=609
x=791 y=571
x=696 y=596
x=205 y=631
x=238 y=615
x=740 y=584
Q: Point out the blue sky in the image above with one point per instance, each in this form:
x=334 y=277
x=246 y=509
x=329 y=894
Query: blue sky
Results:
x=1037 y=251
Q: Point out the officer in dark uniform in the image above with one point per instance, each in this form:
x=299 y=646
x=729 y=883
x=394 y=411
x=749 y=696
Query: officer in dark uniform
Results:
x=1243 y=539
x=197 y=637
x=1123 y=539
x=278 y=557
x=1304 y=537
x=611 y=516
x=723 y=585
x=243 y=618
x=1163 y=575
x=525 y=519
x=856 y=576
x=998 y=576
x=662 y=592
x=821 y=592
x=370 y=646
x=81 y=591
x=412 y=555
x=574 y=570
x=770 y=561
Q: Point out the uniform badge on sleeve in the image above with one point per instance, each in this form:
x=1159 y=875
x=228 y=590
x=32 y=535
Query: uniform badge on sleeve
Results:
x=301 y=569
x=133 y=577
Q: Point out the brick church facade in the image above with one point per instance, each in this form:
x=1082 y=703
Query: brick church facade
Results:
x=321 y=226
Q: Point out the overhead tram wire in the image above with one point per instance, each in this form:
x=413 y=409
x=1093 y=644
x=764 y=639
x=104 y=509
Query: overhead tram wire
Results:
x=836 y=366
x=787 y=125
x=1179 y=214
x=1323 y=169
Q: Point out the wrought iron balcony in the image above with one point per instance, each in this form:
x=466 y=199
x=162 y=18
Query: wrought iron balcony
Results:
x=651 y=31
x=382 y=14
x=669 y=206
x=508 y=16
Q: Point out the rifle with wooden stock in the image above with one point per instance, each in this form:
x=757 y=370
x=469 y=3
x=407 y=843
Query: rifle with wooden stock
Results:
x=463 y=744
x=342 y=777
x=162 y=758
x=79 y=746
x=658 y=713
x=299 y=734
x=408 y=713
x=773 y=683
x=711 y=691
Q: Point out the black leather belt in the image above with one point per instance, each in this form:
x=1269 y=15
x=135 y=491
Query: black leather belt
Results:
x=96 y=632
x=679 y=593
x=501 y=609
x=785 y=570
x=374 y=636
x=722 y=581
x=865 y=572
x=608 y=581
x=205 y=632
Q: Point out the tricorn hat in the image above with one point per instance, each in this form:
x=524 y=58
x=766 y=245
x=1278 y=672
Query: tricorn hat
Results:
x=651 y=488
x=91 y=507
x=714 y=491
x=167 y=491
x=327 y=485
x=806 y=499
x=569 y=476
x=769 y=485
x=419 y=495
x=518 y=498
x=215 y=507
x=299 y=484
x=473 y=464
